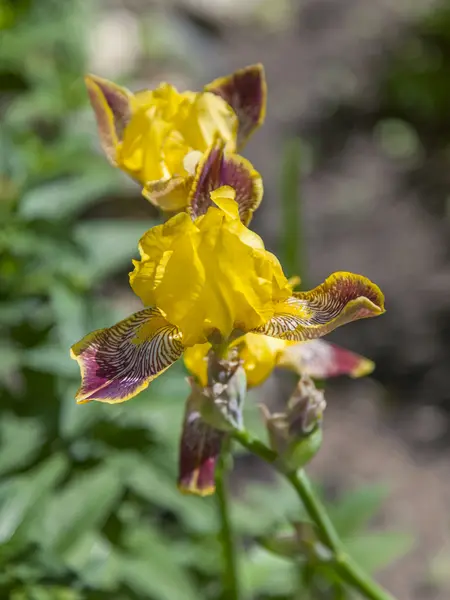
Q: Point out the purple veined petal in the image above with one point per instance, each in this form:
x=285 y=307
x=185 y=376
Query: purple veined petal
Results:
x=199 y=449
x=320 y=360
x=245 y=91
x=119 y=362
x=341 y=299
x=112 y=109
x=216 y=169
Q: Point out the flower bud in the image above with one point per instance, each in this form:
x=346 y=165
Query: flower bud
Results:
x=220 y=403
x=296 y=435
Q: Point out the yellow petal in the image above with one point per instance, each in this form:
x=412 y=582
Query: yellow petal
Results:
x=168 y=194
x=208 y=117
x=195 y=360
x=189 y=270
x=156 y=279
x=260 y=355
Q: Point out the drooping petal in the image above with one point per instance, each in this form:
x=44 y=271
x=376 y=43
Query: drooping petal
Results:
x=342 y=298
x=217 y=169
x=245 y=91
x=320 y=360
x=199 y=448
x=112 y=108
x=119 y=362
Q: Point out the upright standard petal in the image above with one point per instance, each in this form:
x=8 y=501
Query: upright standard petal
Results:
x=216 y=169
x=209 y=275
x=119 y=362
x=112 y=109
x=199 y=449
x=342 y=298
x=245 y=91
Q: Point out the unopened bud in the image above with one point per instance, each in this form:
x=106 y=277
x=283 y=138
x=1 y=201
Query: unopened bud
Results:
x=305 y=407
x=221 y=402
x=296 y=434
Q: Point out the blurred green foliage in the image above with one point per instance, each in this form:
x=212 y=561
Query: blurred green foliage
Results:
x=88 y=503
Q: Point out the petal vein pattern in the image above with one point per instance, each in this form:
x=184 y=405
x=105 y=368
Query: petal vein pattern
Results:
x=118 y=362
x=342 y=298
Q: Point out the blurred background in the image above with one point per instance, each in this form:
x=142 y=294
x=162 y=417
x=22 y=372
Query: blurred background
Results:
x=356 y=146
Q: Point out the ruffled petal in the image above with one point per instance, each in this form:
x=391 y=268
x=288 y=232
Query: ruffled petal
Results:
x=342 y=298
x=119 y=362
x=217 y=169
x=199 y=449
x=245 y=91
x=112 y=108
x=320 y=360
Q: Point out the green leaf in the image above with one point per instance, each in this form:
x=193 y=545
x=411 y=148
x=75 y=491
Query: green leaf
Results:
x=92 y=557
x=374 y=551
x=50 y=359
x=74 y=418
x=353 y=512
x=109 y=244
x=67 y=197
x=156 y=576
x=255 y=512
x=22 y=498
x=20 y=440
x=70 y=315
x=265 y=573
x=84 y=504
x=152 y=483
x=151 y=568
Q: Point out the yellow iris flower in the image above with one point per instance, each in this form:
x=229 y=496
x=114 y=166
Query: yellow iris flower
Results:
x=209 y=279
x=158 y=136
x=209 y=275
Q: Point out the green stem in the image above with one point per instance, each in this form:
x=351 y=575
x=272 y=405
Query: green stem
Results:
x=293 y=245
x=344 y=564
x=230 y=578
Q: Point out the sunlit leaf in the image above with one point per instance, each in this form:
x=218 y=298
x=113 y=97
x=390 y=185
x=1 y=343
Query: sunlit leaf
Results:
x=22 y=498
x=85 y=503
x=353 y=511
x=65 y=198
x=20 y=440
x=374 y=551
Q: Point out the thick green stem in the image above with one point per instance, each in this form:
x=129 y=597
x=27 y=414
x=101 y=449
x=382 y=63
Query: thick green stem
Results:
x=344 y=564
x=230 y=577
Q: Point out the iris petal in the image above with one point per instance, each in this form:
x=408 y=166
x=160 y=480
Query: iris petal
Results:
x=112 y=109
x=245 y=91
x=216 y=169
x=119 y=362
x=320 y=359
x=342 y=298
